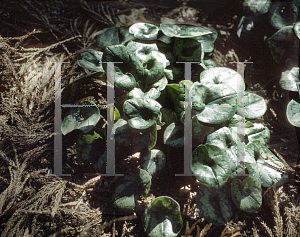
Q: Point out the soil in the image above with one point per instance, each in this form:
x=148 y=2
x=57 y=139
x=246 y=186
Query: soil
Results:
x=35 y=203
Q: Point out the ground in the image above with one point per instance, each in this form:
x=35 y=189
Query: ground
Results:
x=35 y=203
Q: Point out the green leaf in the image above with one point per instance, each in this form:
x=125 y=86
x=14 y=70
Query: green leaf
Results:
x=168 y=116
x=258 y=7
x=130 y=189
x=166 y=49
x=207 y=41
x=254 y=106
x=214 y=204
x=117 y=115
x=257 y=131
x=108 y=37
x=130 y=66
x=214 y=104
x=296 y=29
x=153 y=93
x=179 y=97
x=141 y=51
x=251 y=155
x=177 y=71
x=223 y=139
x=91 y=60
x=144 y=31
x=154 y=66
x=162 y=218
x=92 y=148
x=113 y=36
x=174 y=135
x=210 y=63
x=125 y=197
x=135 y=93
x=211 y=165
x=160 y=84
x=165 y=39
x=269 y=166
x=124 y=81
x=222 y=75
x=246 y=194
x=289 y=79
x=284 y=45
x=283 y=14
x=91 y=138
x=142 y=113
x=82 y=118
x=153 y=162
x=293 y=113
x=132 y=139
x=183 y=31
x=200 y=131
x=124 y=35
x=188 y=50
x=169 y=74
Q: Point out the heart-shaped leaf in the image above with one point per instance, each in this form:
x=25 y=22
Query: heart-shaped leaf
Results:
x=144 y=31
x=108 y=37
x=153 y=162
x=165 y=39
x=183 y=31
x=177 y=95
x=293 y=113
x=207 y=41
x=124 y=81
x=141 y=51
x=296 y=29
x=132 y=139
x=223 y=75
x=92 y=148
x=154 y=66
x=142 y=113
x=132 y=187
x=124 y=35
x=257 y=131
x=254 y=106
x=113 y=36
x=161 y=83
x=135 y=93
x=188 y=50
x=174 y=135
x=221 y=138
x=82 y=118
x=91 y=60
x=246 y=194
x=258 y=7
x=168 y=116
x=284 y=45
x=269 y=166
x=200 y=131
x=211 y=165
x=153 y=93
x=251 y=155
x=214 y=204
x=282 y=14
x=215 y=104
x=162 y=218
x=130 y=63
x=224 y=139
x=289 y=79
x=167 y=50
